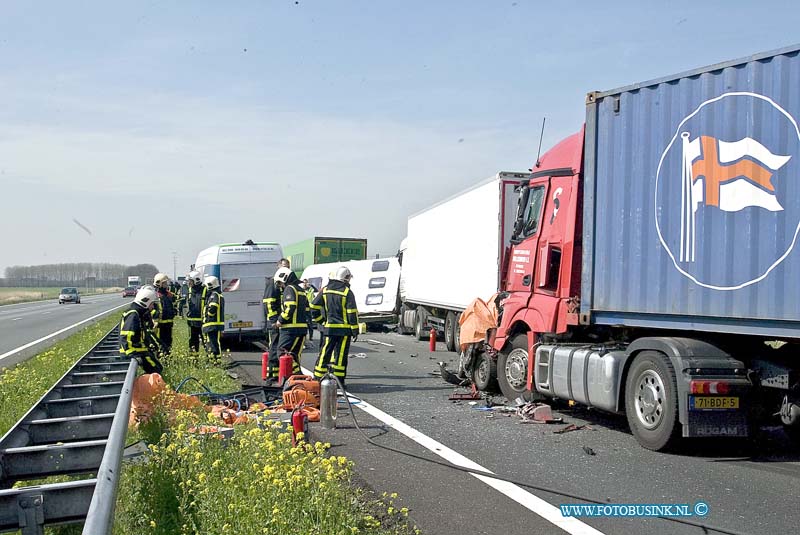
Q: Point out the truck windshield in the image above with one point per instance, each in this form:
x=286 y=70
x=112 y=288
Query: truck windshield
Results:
x=533 y=212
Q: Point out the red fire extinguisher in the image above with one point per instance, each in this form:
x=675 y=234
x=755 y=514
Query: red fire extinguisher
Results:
x=264 y=365
x=433 y=339
x=285 y=365
x=299 y=424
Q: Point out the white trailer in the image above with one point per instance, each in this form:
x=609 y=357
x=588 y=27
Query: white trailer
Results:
x=242 y=271
x=374 y=284
x=454 y=253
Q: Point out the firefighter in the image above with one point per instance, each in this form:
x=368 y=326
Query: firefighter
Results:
x=293 y=320
x=272 y=309
x=164 y=312
x=183 y=295
x=213 y=316
x=335 y=308
x=310 y=294
x=133 y=331
x=194 y=310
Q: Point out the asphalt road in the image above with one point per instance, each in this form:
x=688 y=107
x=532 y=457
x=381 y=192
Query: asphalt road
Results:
x=749 y=487
x=23 y=323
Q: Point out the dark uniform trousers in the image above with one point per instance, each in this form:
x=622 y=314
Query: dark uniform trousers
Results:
x=334 y=354
x=273 y=340
x=195 y=335
x=165 y=337
x=214 y=342
x=292 y=340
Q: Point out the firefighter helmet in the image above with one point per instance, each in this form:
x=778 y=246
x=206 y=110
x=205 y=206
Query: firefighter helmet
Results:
x=282 y=275
x=211 y=282
x=145 y=297
x=342 y=274
x=161 y=280
x=196 y=277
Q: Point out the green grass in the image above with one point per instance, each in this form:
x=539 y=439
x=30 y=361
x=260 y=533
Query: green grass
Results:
x=10 y=296
x=23 y=385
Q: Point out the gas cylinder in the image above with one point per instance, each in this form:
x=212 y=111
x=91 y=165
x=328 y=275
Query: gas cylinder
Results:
x=327 y=402
x=285 y=364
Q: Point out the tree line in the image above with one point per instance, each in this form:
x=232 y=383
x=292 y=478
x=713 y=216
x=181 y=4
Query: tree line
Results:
x=81 y=274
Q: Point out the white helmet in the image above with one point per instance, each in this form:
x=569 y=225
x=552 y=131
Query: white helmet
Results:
x=146 y=296
x=211 y=282
x=196 y=277
x=161 y=280
x=342 y=274
x=282 y=275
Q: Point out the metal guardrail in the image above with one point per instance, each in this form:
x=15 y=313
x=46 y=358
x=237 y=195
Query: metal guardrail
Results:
x=78 y=427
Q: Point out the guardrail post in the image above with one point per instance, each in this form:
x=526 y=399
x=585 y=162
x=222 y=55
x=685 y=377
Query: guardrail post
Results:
x=31 y=514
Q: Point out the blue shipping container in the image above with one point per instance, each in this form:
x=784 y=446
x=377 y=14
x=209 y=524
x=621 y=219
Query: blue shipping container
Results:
x=692 y=200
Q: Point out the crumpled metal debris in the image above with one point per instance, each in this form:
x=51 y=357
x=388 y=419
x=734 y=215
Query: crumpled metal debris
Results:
x=538 y=413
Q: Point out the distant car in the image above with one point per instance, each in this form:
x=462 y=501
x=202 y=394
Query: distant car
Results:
x=130 y=291
x=69 y=295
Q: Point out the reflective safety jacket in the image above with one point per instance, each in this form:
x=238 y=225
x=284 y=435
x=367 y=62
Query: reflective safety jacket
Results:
x=214 y=312
x=272 y=301
x=335 y=309
x=133 y=331
x=296 y=313
x=196 y=300
x=164 y=311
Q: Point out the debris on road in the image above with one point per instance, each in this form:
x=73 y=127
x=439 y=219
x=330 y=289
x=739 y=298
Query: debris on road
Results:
x=588 y=450
x=539 y=413
x=570 y=427
x=451 y=377
x=357 y=355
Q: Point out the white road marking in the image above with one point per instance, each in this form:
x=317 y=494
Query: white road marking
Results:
x=530 y=501
x=16 y=319
x=371 y=341
x=42 y=339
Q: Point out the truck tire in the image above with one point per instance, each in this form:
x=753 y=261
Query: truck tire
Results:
x=449 y=331
x=512 y=369
x=457 y=333
x=651 y=401
x=484 y=375
x=421 y=319
x=402 y=328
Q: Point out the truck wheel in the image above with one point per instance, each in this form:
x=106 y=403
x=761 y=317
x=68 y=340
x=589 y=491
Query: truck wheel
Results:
x=449 y=331
x=402 y=328
x=457 y=333
x=651 y=401
x=512 y=366
x=484 y=375
x=419 y=325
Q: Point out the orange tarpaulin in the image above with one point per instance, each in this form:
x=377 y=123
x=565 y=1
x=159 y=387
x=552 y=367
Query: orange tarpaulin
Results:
x=149 y=389
x=477 y=318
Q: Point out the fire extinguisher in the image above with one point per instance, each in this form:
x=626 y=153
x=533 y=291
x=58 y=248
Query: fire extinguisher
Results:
x=264 y=365
x=433 y=339
x=285 y=365
x=299 y=424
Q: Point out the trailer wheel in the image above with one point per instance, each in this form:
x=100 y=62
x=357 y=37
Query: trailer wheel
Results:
x=512 y=366
x=651 y=401
x=402 y=328
x=484 y=374
x=449 y=331
x=421 y=318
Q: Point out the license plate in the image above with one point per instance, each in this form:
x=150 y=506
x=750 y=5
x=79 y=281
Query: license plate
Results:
x=713 y=403
x=241 y=324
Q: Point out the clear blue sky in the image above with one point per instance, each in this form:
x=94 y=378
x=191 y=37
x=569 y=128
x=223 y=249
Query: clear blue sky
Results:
x=172 y=125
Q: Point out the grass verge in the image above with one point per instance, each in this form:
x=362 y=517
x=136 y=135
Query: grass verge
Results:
x=253 y=483
x=23 y=385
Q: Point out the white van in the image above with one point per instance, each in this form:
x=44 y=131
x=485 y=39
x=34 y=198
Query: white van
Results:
x=375 y=284
x=242 y=270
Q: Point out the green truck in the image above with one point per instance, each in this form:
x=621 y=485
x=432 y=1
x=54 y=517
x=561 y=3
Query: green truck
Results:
x=324 y=251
